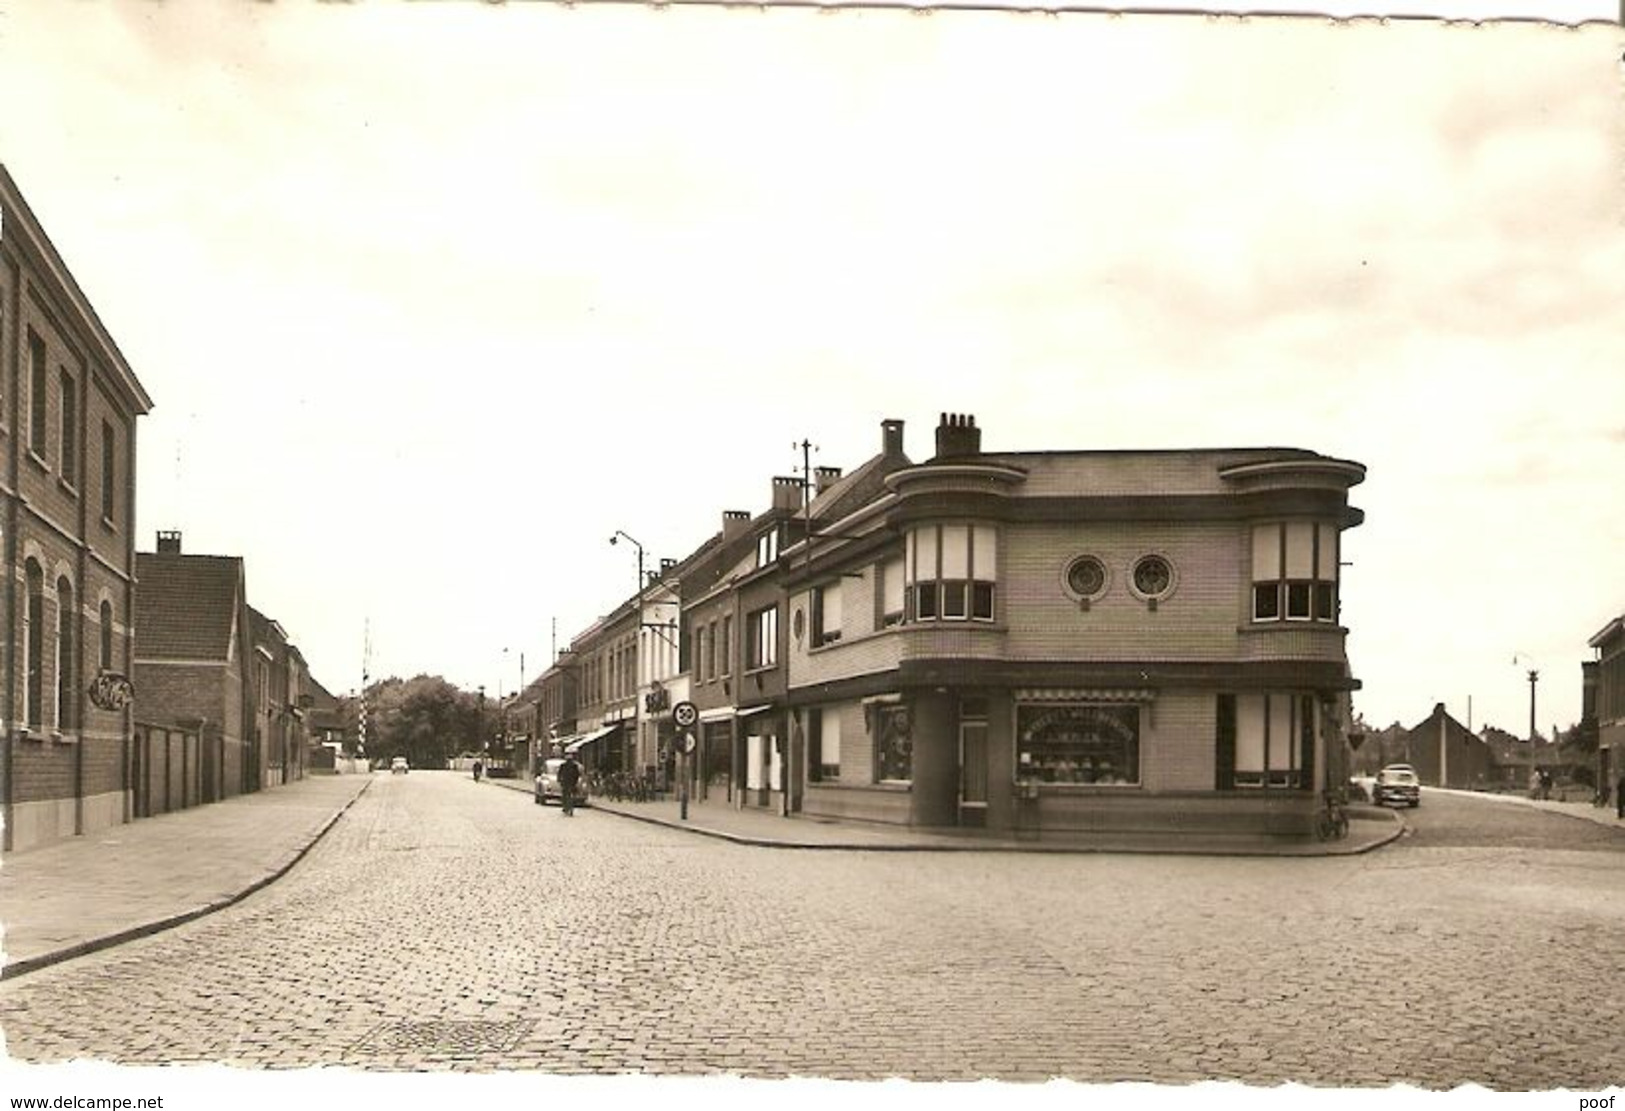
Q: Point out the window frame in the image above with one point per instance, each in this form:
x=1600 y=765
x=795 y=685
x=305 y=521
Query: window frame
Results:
x=109 y=472
x=67 y=467
x=817 y=604
x=936 y=596
x=38 y=409
x=1111 y=715
x=1286 y=596
x=762 y=632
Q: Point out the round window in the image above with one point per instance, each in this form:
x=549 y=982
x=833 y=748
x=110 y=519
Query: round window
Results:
x=1153 y=576
x=1086 y=577
x=798 y=623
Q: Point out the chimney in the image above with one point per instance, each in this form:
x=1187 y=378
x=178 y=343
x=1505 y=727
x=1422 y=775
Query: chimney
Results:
x=786 y=492
x=957 y=434
x=666 y=565
x=734 y=522
x=823 y=476
x=169 y=543
x=891 y=437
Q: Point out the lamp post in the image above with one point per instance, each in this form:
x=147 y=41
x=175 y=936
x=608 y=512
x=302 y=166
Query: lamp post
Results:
x=637 y=633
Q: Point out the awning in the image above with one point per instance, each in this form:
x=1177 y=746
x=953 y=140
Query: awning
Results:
x=565 y=742
x=718 y=713
x=588 y=738
x=751 y=711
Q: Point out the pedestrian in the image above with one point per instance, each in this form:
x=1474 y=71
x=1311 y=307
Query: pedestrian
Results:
x=1619 y=797
x=479 y=769
x=1545 y=785
x=569 y=776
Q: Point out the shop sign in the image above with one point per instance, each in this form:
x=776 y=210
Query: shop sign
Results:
x=111 y=691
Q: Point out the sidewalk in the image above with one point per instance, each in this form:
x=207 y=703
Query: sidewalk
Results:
x=1369 y=828
x=76 y=896
x=1585 y=811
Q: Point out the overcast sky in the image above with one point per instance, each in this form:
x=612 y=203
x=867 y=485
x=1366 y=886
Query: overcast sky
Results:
x=432 y=299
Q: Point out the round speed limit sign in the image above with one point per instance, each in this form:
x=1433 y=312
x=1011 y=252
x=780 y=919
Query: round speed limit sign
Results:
x=685 y=714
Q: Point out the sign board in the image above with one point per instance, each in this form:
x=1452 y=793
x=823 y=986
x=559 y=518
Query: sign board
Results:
x=686 y=743
x=685 y=714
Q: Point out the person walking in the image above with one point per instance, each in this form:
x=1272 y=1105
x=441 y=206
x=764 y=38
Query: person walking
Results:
x=1619 y=797
x=478 y=768
x=569 y=777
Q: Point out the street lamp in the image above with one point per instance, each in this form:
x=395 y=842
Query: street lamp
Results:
x=637 y=633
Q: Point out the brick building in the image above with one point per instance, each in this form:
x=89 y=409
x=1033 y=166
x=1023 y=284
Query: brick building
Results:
x=1084 y=641
x=1445 y=753
x=1603 y=686
x=192 y=652
x=68 y=408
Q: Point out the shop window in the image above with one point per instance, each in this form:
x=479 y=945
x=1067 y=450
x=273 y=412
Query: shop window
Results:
x=950 y=573
x=894 y=744
x=762 y=643
x=1270 y=737
x=1295 y=572
x=826 y=614
x=1079 y=744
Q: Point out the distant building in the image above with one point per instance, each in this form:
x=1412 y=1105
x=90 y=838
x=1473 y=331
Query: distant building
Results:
x=1445 y=753
x=68 y=408
x=1608 y=693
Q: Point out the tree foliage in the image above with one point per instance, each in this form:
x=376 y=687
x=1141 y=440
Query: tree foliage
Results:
x=425 y=719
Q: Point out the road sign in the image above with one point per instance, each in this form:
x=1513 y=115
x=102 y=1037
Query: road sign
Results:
x=686 y=743
x=685 y=714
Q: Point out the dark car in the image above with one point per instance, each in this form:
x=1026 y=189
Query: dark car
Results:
x=1397 y=783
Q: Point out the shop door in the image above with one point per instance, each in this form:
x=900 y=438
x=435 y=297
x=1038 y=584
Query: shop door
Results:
x=973 y=773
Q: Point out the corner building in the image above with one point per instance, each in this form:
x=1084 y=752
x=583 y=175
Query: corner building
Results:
x=69 y=403
x=1075 y=642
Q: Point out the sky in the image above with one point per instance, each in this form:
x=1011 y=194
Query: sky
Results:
x=433 y=299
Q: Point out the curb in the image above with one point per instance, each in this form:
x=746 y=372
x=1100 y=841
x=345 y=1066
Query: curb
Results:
x=79 y=949
x=1312 y=850
x=1599 y=818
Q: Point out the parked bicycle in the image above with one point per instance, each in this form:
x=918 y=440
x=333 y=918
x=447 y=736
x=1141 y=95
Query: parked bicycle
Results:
x=1332 y=821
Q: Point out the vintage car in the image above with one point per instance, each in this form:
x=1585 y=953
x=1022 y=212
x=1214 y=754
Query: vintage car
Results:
x=1397 y=783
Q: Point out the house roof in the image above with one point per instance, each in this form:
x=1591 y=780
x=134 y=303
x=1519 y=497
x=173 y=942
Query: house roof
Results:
x=186 y=605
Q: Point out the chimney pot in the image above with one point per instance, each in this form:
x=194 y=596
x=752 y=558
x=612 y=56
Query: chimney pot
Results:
x=786 y=492
x=169 y=541
x=957 y=434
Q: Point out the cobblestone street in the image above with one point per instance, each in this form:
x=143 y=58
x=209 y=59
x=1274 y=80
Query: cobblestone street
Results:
x=447 y=925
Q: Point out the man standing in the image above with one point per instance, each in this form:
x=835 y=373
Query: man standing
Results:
x=1619 y=797
x=569 y=776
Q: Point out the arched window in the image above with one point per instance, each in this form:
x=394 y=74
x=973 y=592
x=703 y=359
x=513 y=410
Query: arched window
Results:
x=65 y=701
x=34 y=646
x=107 y=635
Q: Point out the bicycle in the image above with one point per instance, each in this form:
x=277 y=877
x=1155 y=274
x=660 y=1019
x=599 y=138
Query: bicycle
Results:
x=1332 y=821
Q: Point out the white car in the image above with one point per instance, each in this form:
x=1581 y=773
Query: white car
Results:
x=398 y=766
x=548 y=789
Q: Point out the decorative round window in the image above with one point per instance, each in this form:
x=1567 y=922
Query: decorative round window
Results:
x=798 y=624
x=1153 y=577
x=1086 y=577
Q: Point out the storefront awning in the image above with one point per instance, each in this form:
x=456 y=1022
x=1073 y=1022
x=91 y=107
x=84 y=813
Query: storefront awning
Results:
x=588 y=738
x=1085 y=694
x=752 y=711
x=717 y=713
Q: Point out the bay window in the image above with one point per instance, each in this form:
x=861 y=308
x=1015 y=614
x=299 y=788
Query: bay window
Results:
x=950 y=572
x=891 y=592
x=1295 y=571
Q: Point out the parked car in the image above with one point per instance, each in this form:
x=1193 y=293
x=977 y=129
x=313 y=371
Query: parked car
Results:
x=1397 y=783
x=547 y=785
x=398 y=765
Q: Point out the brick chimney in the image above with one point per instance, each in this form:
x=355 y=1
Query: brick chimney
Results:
x=169 y=542
x=734 y=522
x=665 y=566
x=823 y=476
x=957 y=434
x=891 y=437
x=786 y=492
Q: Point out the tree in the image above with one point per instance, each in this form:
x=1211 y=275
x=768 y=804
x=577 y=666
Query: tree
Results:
x=425 y=719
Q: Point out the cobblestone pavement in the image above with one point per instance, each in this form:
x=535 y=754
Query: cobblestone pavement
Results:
x=445 y=926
